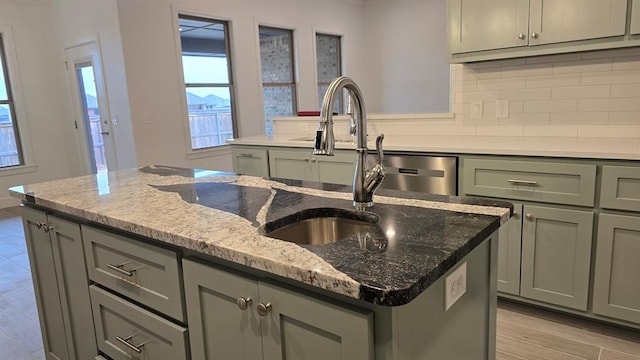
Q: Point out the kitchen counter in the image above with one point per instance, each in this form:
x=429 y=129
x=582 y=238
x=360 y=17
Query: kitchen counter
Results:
x=569 y=147
x=418 y=238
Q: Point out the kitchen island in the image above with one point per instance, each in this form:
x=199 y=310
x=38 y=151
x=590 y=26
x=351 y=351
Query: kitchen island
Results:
x=377 y=296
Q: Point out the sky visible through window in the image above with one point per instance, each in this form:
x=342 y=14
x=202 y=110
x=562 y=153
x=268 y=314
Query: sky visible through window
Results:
x=206 y=69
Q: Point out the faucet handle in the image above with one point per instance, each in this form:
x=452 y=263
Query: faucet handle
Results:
x=379 y=150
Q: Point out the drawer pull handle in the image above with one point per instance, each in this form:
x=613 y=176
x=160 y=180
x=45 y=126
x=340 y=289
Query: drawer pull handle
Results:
x=119 y=269
x=243 y=303
x=263 y=309
x=522 y=182
x=247 y=155
x=126 y=342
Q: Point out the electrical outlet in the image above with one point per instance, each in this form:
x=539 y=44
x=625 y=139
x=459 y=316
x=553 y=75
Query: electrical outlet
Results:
x=475 y=112
x=455 y=285
x=502 y=109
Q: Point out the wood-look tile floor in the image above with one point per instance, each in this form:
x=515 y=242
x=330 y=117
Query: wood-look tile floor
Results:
x=524 y=333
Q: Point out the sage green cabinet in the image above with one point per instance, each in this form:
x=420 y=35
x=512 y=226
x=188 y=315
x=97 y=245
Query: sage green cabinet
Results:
x=556 y=255
x=635 y=17
x=225 y=322
x=484 y=25
x=620 y=187
x=249 y=160
x=301 y=164
x=509 y=248
x=616 y=287
x=61 y=285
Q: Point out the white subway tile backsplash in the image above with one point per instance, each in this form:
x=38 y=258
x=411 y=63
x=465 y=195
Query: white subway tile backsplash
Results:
x=501 y=84
x=500 y=63
x=501 y=130
x=526 y=94
x=528 y=118
x=624 y=117
x=554 y=58
x=616 y=131
x=467 y=97
x=551 y=106
x=460 y=86
x=626 y=90
x=614 y=104
x=516 y=107
x=526 y=70
x=580 y=66
x=551 y=81
x=580 y=118
x=479 y=74
x=581 y=92
x=555 y=131
x=626 y=63
x=610 y=77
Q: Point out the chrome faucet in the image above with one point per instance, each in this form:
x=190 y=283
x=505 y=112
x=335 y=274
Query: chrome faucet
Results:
x=365 y=181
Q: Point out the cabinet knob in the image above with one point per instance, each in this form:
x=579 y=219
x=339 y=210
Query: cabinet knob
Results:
x=529 y=216
x=534 y=35
x=40 y=225
x=263 y=309
x=47 y=228
x=243 y=303
x=521 y=36
x=306 y=159
x=314 y=160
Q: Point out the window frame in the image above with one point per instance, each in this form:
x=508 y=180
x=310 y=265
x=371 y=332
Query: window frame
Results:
x=340 y=100
x=17 y=110
x=293 y=85
x=179 y=13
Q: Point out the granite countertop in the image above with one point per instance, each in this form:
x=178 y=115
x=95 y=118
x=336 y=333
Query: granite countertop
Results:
x=546 y=146
x=415 y=241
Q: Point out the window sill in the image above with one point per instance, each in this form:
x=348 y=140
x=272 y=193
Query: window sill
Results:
x=220 y=150
x=17 y=170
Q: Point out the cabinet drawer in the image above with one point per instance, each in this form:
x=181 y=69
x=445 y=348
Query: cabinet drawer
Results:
x=620 y=188
x=140 y=271
x=126 y=331
x=249 y=161
x=571 y=184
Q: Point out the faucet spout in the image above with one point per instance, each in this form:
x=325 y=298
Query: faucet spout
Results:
x=365 y=181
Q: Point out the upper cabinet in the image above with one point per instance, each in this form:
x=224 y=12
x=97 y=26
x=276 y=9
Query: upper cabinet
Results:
x=635 y=17
x=494 y=29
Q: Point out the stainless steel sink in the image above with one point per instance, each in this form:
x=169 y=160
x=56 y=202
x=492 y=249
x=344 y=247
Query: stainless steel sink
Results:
x=321 y=226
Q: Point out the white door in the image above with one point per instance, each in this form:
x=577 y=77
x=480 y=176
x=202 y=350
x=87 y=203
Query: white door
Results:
x=91 y=109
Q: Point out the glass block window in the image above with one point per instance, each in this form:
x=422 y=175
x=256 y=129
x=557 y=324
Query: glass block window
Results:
x=329 y=64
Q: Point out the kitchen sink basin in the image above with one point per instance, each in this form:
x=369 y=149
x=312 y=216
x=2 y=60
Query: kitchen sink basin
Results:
x=320 y=226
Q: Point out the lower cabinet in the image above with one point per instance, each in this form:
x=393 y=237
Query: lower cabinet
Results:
x=509 y=250
x=301 y=164
x=126 y=331
x=61 y=285
x=616 y=288
x=232 y=316
x=250 y=161
x=556 y=255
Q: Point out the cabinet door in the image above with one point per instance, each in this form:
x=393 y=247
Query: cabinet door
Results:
x=635 y=17
x=71 y=274
x=219 y=328
x=249 y=161
x=553 y=21
x=509 y=246
x=301 y=327
x=337 y=169
x=476 y=25
x=45 y=285
x=291 y=164
x=616 y=289
x=556 y=256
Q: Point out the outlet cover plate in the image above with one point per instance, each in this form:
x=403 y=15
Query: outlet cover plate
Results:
x=502 y=109
x=455 y=285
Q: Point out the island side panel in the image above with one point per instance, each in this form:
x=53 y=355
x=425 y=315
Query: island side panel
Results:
x=426 y=331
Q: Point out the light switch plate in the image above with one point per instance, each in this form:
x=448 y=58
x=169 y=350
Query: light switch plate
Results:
x=455 y=285
x=475 y=111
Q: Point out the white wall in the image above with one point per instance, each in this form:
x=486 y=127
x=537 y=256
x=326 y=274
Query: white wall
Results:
x=153 y=70
x=406 y=65
x=42 y=105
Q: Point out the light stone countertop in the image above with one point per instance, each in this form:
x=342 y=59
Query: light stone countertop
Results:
x=220 y=214
x=569 y=147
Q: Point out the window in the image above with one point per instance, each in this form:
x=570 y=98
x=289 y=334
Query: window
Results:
x=329 y=65
x=10 y=150
x=278 y=75
x=206 y=66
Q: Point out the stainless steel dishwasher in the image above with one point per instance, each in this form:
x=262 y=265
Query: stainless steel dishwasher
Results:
x=421 y=172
